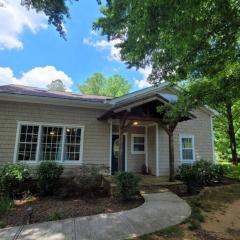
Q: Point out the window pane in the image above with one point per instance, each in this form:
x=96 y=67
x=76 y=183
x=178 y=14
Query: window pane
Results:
x=138 y=139
x=51 y=139
x=27 y=146
x=138 y=148
x=187 y=142
x=187 y=154
x=72 y=144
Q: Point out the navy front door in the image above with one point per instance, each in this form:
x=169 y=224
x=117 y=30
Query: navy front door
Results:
x=115 y=151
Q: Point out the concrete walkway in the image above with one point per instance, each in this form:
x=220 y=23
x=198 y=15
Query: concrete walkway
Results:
x=159 y=211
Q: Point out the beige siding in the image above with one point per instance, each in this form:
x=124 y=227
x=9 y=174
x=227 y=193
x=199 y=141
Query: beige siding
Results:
x=135 y=161
x=152 y=149
x=96 y=137
x=200 y=128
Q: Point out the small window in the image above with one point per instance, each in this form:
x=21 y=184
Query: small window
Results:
x=187 y=148
x=138 y=144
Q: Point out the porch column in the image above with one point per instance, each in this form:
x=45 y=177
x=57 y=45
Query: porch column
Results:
x=110 y=147
x=157 y=149
x=146 y=147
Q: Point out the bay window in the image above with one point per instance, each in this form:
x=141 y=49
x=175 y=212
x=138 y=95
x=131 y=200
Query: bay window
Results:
x=48 y=142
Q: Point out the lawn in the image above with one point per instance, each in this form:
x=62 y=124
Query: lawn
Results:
x=215 y=215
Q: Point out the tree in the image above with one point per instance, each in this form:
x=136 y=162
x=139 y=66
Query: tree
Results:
x=56 y=85
x=173 y=113
x=221 y=131
x=55 y=10
x=194 y=40
x=97 y=84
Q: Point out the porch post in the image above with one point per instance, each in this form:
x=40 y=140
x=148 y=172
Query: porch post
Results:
x=110 y=147
x=146 y=147
x=157 y=149
x=120 y=157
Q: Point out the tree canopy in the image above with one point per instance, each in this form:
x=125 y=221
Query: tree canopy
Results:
x=98 y=84
x=55 y=10
x=178 y=38
x=56 y=85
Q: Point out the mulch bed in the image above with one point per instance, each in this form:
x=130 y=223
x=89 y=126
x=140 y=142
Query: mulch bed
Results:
x=44 y=207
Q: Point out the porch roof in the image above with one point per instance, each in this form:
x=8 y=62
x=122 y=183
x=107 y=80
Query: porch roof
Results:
x=142 y=109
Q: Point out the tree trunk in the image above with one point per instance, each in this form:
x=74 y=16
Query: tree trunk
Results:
x=231 y=133
x=171 y=157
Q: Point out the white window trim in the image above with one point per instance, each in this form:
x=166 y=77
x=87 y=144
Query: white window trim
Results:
x=181 y=136
x=46 y=124
x=132 y=144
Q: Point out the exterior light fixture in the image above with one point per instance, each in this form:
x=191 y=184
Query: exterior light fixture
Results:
x=68 y=130
x=29 y=214
x=52 y=133
x=135 y=123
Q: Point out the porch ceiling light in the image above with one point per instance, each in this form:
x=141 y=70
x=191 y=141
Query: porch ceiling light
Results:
x=135 y=123
x=52 y=133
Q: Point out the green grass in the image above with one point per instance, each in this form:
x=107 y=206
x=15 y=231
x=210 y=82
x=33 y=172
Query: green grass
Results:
x=170 y=232
x=234 y=173
x=54 y=216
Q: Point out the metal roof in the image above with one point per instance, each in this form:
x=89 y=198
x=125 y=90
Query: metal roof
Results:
x=38 y=92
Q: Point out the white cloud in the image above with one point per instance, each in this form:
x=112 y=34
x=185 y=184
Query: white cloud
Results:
x=103 y=45
x=36 y=77
x=145 y=73
x=14 y=18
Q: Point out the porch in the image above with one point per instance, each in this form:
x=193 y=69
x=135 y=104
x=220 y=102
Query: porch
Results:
x=139 y=140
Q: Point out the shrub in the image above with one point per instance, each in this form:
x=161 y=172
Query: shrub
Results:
x=12 y=177
x=5 y=204
x=201 y=173
x=48 y=174
x=54 y=216
x=127 y=184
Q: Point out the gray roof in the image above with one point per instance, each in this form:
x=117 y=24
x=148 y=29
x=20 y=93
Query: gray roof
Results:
x=38 y=92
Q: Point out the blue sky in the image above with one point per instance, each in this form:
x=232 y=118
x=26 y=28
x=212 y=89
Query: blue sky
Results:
x=33 y=53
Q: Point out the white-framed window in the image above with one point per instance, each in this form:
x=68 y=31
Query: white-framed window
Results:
x=138 y=143
x=187 y=148
x=37 y=142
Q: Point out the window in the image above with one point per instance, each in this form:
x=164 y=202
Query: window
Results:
x=28 y=143
x=187 y=151
x=138 y=144
x=46 y=142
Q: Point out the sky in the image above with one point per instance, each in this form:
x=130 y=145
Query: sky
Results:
x=32 y=52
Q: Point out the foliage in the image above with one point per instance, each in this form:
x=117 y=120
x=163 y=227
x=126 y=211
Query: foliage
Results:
x=89 y=181
x=173 y=231
x=234 y=172
x=49 y=173
x=55 y=10
x=12 y=176
x=56 y=85
x=176 y=38
x=201 y=173
x=127 y=184
x=222 y=143
x=5 y=204
x=98 y=84
x=54 y=216
x=3 y=223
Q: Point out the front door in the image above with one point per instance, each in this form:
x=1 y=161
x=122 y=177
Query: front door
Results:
x=115 y=152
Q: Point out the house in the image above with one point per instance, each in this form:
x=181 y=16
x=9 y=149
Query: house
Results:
x=76 y=129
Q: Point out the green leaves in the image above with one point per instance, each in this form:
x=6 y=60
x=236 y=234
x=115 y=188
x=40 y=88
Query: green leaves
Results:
x=98 y=84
